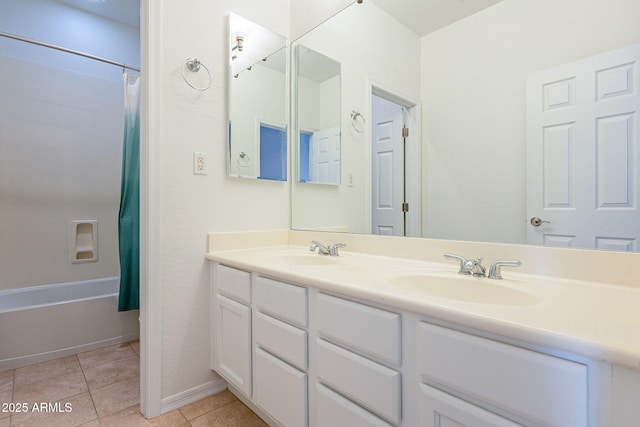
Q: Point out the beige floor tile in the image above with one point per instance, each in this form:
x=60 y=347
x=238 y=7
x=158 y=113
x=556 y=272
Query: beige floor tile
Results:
x=98 y=376
x=94 y=423
x=6 y=380
x=117 y=396
x=5 y=397
x=49 y=381
x=72 y=411
x=208 y=404
x=234 y=414
x=6 y=390
x=105 y=355
x=131 y=417
x=135 y=345
x=5 y=422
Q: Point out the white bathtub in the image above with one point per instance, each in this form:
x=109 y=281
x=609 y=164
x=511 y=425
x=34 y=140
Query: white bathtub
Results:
x=41 y=323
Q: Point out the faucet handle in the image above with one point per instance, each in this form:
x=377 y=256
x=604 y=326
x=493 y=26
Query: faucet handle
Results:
x=334 y=248
x=494 y=270
x=463 y=262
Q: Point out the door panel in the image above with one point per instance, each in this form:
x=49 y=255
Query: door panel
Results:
x=387 y=168
x=582 y=153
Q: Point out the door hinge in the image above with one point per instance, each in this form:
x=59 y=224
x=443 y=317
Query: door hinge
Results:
x=405 y=132
x=405 y=207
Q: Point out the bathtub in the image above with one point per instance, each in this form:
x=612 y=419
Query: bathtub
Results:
x=45 y=322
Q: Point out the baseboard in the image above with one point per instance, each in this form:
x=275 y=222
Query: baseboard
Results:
x=194 y=394
x=32 y=359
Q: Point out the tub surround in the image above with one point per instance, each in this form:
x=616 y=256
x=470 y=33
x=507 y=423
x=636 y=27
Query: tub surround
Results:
x=578 y=309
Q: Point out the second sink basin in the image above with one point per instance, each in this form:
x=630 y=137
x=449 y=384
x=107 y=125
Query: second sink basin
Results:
x=462 y=288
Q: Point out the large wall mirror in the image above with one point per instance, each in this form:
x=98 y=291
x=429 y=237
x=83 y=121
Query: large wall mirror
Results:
x=521 y=122
x=257 y=101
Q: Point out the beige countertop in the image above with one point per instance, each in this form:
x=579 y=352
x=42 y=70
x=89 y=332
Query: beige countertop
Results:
x=597 y=320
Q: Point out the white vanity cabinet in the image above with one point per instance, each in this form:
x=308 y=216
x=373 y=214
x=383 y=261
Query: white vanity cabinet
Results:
x=358 y=354
x=231 y=318
x=525 y=385
x=280 y=364
x=307 y=357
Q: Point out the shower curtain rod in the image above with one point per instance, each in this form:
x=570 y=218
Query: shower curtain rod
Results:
x=64 y=49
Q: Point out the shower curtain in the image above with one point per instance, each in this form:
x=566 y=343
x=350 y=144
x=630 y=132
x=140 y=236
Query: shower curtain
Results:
x=129 y=217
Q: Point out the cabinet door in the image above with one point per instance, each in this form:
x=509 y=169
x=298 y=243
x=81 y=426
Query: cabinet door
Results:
x=232 y=343
x=443 y=410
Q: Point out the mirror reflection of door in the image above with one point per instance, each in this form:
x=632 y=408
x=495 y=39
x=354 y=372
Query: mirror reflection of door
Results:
x=318 y=86
x=582 y=141
x=387 y=168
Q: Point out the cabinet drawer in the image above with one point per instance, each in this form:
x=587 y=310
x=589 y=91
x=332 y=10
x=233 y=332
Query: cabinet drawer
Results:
x=235 y=284
x=441 y=409
x=285 y=341
x=281 y=300
x=335 y=410
x=360 y=327
x=367 y=383
x=280 y=390
x=538 y=387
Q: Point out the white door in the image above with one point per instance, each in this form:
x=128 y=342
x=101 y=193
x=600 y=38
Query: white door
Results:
x=324 y=156
x=582 y=153
x=387 y=168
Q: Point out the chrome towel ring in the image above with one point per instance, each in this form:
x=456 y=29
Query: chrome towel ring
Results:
x=355 y=122
x=194 y=65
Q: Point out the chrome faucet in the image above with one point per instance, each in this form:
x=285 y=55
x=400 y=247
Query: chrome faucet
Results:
x=494 y=270
x=321 y=247
x=334 y=248
x=468 y=266
x=325 y=249
x=475 y=267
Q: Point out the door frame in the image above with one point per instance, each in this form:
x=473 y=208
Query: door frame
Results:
x=413 y=149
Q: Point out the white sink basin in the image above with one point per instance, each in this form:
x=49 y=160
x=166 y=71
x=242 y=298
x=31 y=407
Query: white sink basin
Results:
x=302 y=259
x=462 y=288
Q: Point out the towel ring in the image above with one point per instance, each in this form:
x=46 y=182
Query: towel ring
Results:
x=354 y=121
x=243 y=159
x=194 y=65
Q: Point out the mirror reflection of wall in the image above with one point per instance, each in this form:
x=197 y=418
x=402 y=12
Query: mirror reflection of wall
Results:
x=470 y=76
x=373 y=49
x=318 y=117
x=257 y=101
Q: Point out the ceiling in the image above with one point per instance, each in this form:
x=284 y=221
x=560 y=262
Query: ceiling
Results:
x=421 y=16
x=124 y=11
x=426 y=16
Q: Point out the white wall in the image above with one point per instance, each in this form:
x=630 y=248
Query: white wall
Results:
x=61 y=121
x=193 y=205
x=390 y=58
x=473 y=91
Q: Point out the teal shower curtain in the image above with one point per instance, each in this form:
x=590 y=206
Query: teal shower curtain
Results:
x=129 y=217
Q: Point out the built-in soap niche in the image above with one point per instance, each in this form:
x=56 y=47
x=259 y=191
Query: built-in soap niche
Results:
x=83 y=241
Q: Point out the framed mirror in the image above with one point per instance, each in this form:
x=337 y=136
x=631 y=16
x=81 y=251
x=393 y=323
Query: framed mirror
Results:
x=469 y=80
x=257 y=101
x=317 y=80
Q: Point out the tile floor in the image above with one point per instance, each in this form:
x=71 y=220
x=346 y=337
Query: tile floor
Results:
x=101 y=388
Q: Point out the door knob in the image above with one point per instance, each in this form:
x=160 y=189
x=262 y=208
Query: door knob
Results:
x=537 y=222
